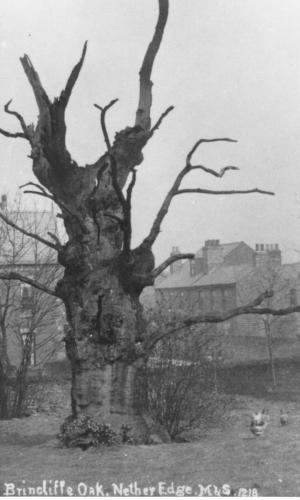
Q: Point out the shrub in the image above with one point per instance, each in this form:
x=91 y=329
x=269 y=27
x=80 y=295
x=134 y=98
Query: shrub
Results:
x=83 y=431
x=181 y=398
x=179 y=386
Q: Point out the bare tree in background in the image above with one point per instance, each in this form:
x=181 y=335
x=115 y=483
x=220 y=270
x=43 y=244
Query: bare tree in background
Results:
x=27 y=336
x=103 y=275
x=283 y=281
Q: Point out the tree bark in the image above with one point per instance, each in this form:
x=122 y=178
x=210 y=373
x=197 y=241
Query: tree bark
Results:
x=104 y=341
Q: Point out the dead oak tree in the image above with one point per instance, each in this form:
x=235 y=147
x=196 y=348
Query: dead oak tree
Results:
x=103 y=275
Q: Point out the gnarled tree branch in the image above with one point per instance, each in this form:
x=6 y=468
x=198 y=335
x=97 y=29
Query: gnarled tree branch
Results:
x=40 y=94
x=205 y=141
x=17 y=115
x=214 y=172
x=25 y=134
x=211 y=191
x=160 y=120
x=147 y=279
x=56 y=239
x=250 y=308
x=127 y=213
x=173 y=258
x=143 y=117
x=39 y=193
x=125 y=203
x=34 y=184
x=19 y=277
x=102 y=121
x=27 y=233
x=130 y=188
x=54 y=198
x=114 y=179
x=13 y=135
x=66 y=93
x=50 y=133
x=155 y=229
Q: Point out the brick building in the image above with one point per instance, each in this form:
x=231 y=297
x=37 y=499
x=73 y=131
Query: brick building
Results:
x=223 y=276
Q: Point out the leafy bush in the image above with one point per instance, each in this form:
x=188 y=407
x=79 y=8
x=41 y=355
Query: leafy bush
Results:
x=83 y=431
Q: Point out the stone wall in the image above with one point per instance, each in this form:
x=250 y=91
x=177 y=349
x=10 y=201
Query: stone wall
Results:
x=49 y=397
x=242 y=349
x=49 y=388
x=255 y=379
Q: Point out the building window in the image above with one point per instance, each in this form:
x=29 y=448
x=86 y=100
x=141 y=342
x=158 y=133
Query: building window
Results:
x=205 y=300
x=195 y=305
x=176 y=300
x=293 y=297
x=229 y=299
x=187 y=299
x=26 y=296
x=200 y=301
x=182 y=300
x=216 y=300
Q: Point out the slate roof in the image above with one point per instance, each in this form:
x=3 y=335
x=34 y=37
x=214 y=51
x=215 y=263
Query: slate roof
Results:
x=220 y=274
x=224 y=275
x=292 y=268
x=180 y=278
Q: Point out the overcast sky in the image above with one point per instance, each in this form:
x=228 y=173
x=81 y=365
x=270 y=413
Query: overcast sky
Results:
x=231 y=68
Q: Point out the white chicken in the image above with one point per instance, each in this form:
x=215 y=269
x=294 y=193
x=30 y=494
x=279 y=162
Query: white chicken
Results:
x=259 y=422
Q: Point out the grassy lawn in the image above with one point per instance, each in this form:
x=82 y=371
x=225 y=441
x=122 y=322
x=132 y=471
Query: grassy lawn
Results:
x=227 y=454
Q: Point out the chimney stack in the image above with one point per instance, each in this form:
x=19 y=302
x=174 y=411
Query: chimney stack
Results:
x=212 y=243
x=175 y=266
x=266 y=253
x=212 y=255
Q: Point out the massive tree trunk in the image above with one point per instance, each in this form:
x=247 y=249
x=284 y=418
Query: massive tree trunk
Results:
x=101 y=285
x=104 y=342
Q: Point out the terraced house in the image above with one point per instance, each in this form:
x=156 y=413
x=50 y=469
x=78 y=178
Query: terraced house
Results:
x=225 y=275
